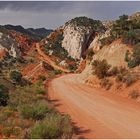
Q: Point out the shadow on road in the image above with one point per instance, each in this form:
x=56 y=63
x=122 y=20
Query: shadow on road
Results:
x=55 y=102
x=79 y=131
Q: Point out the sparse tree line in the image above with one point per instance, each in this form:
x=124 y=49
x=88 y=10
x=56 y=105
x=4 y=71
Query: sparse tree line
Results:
x=129 y=31
x=104 y=72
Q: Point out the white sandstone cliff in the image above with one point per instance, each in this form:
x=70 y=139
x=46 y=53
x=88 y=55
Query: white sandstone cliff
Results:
x=74 y=39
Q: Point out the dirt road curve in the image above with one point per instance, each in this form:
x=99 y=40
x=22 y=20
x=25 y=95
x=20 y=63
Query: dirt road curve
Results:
x=46 y=59
x=98 y=114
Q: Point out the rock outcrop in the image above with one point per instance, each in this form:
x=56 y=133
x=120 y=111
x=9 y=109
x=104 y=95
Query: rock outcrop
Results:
x=114 y=54
x=8 y=44
x=14 y=43
x=78 y=36
x=96 y=42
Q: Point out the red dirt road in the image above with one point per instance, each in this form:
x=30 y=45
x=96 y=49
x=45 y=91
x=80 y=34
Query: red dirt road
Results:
x=46 y=58
x=97 y=114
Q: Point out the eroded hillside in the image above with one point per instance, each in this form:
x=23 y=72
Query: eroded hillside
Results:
x=106 y=56
x=25 y=106
x=112 y=61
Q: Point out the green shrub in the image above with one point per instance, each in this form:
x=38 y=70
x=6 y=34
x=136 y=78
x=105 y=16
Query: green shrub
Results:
x=107 y=40
x=56 y=46
x=126 y=29
x=129 y=37
x=87 y=22
x=45 y=131
x=123 y=70
x=134 y=94
x=106 y=83
x=25 y=95
x=5 y=113
x=8 y=131
x=53 y=127
x=42 y=77
x=101 y=68
x=4 y=95
x=40 y=91
x=72 y=67
x=131 y=63
x=114 y=71
x=90 y=54
x=127 y=58
x=27 y=111
x=126 y=77
x=35 y=111
x=119 y=78
x=121 y=74
x=57 y=72
x=135 y=60
x=16 y=76
x=22 y=96
x=129 y=79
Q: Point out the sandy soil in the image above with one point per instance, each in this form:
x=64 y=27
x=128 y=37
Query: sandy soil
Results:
x=96 y=114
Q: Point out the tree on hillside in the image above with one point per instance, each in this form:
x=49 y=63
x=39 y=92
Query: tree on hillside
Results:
x=120 y=26
x=100 y=68
x=87 y=22
x=135 y=60
x=16 y=76
x=3 y=95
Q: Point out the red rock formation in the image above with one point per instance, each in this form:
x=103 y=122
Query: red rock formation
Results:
x=25 y=41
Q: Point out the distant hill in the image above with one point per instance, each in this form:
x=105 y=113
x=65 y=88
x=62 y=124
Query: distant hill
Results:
x=36 y=34
x=42 y=32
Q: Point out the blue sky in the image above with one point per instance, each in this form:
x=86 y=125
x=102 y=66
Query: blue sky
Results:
x=52 y=14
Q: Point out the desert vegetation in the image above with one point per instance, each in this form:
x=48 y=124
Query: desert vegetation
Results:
x=125 y=28
x=90 y=54
x=104 y=71
x=101 y=68
x=134 y=94
x=86 y=22
x=29 y=114
x=4 y=95
x=25 y=108
x=55 y=45
x=54 y=48
x=128 y=30
x=133 y=59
